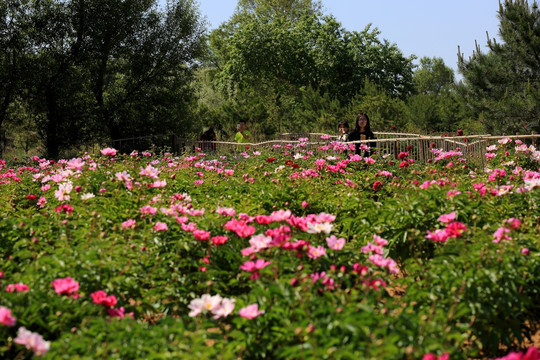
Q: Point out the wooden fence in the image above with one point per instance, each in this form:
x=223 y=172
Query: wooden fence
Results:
x=388 y=144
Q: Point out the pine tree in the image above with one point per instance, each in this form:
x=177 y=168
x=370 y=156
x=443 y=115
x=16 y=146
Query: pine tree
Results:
x=503 y=85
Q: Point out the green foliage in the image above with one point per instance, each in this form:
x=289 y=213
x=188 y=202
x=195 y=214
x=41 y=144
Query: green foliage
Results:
x=466 y=296
x=503 y=84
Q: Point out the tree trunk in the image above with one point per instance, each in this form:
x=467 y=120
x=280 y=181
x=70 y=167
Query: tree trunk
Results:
x=52 y=123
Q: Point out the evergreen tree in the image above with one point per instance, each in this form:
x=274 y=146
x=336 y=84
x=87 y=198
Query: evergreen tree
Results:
x=503 y=85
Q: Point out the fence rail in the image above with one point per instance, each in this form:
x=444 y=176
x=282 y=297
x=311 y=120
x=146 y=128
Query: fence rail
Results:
x=389 y=144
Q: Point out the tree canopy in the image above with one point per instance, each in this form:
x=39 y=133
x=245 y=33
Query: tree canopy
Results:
x=503 y=85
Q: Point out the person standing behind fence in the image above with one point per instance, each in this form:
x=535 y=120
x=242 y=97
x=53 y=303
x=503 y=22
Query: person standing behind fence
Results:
x=343 y=129
x=207 y=141
x=362 y=131
x=242 y=136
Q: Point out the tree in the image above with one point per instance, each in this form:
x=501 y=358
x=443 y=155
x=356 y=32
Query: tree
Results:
x=14 y=47
x=433 y=76
x=503 y=85
x=278 y=53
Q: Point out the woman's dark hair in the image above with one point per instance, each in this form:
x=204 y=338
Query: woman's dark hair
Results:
x=343 y=123
x=368 y=125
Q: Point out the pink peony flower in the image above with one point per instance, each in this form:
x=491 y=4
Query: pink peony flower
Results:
x=446 y=218
x=252 y=266
x=379 y=240
x=219 y=240
x=455 y=229
x=430 y=356
x=66 y=286
x=250 y=312
x=500 y=234
x=6 y=318
x=531 y=354
x=315 y=252
x=514 y=223
x=334 y=243
x=32 y=341
x=224 y=309
x=119 y=313
x=525 y=251
x=437 y=236
x=226 y=211
x=108 y=152
x=205 y=303
x=100 y=298
x=201 y=235
x=129 y=224
x=160 y=226
x=19 y=287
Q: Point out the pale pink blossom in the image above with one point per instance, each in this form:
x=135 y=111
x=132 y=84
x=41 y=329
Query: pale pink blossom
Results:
x=128 y=224
x=446 y=218
x=161 y=226
x=259 y=242
x=75 y=164
x=32 y=341
x=150 y=172
x=226 y=211
x=371 y=248
x=334 y=243
x=108 y=152
x=315 y=252
x=147 y=209
x=189 y=227
x=379 y=240
x=224 y=309
x=250 y=312
x=205 y=303
x=6 y=318
x=64 y=189
x=316 y=228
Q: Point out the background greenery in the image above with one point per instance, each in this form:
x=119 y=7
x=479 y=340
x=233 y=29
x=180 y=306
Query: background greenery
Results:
x=74 y=73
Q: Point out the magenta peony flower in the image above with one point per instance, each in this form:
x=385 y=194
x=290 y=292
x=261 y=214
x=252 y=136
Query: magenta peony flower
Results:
x=66 y=286
x=6 y=318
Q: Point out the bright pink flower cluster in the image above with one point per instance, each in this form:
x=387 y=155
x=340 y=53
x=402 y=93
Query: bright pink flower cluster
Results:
x=532 y=354
x=19 y=287
x=453 y=229
x=66 y=286
x=6 y=318
x=100 y=298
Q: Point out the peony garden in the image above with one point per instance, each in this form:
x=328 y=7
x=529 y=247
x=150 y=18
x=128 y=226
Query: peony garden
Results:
x=296 y=251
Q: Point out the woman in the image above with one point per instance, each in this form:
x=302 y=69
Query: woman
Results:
x=362 y=131
x=343 y=129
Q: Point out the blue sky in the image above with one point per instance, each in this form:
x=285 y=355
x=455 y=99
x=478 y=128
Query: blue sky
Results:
x=432 y=28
